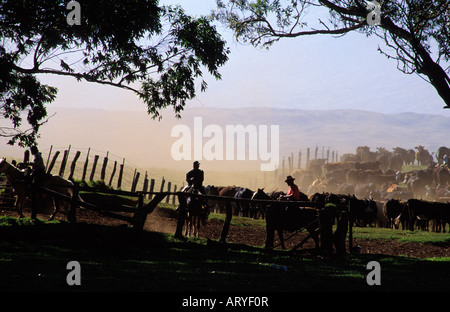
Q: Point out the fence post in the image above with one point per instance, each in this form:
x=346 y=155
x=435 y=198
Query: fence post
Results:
x=49 y=154
x=64 y=162
x=152 y=186
x=173 y=197
x=169 y=186
x=49 y=169
x=73 y=205
x=26 y=156
x=340 y=233
x=292 y=163
x=94 y=165
x=83 y=178
x=72 y=166
x=145 y=187
x=326 y=231
x=119 y=181
x=226 y=224
x=162 y=185
x=105 y=163
x=307 y=158
x=113 y=173
x=181 y=216
x=135 y=181
x=139 y=217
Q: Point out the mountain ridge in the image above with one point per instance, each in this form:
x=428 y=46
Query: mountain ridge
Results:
x=147 y=142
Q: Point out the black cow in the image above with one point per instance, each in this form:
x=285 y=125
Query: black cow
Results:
x=392 y=209
x=283 y=216
x=420 y=212
x=362 y=211
x=245 y=208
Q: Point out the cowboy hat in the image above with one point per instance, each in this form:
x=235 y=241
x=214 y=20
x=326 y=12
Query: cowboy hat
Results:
x=289 y=178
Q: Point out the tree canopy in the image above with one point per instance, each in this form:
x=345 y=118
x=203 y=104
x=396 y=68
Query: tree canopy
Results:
x=415 y=32
x=157 y=52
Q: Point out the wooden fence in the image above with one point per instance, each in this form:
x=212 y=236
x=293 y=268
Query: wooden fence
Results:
x=295 y=160
x=113 y=173
x=141 y=211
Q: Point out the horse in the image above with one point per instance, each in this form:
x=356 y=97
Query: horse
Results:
x=214 y=203
x=245 y=208
x=281 y=216
x=441 y=152
x=20 y=183
x=423 y=157
x=197 y=211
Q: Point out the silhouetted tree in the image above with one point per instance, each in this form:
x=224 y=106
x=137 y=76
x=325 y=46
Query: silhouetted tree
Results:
x=157 y=52
x=415 y=32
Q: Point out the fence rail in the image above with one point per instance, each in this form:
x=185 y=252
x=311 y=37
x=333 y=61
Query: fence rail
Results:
x=141 y=211
x=106 y=167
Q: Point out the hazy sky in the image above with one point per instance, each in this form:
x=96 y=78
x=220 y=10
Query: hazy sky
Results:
x=316 y=72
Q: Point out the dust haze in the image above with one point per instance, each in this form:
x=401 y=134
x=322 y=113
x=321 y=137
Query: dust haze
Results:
x=146 y=143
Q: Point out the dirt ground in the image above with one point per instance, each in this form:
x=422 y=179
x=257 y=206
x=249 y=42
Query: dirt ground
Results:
x=162 y=220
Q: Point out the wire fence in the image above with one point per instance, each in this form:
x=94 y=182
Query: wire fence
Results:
x=91 y=165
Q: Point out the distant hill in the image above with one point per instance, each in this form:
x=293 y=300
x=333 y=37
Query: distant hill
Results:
x=147 y=143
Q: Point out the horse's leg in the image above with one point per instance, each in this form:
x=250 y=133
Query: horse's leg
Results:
x=261 y=211
x=194 y=226
x=315 y=235
x=198 y=226
x=280 y=236
x=56 y=206
x=190 y=226
x=19 y=204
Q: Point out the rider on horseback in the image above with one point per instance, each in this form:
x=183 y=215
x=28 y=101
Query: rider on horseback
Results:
x=294 y=192
x=38 y=165
x=195 y=178
x=196 y=208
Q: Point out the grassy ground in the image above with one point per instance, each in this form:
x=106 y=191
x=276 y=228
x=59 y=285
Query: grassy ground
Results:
x=33 y=257
x=419 y=237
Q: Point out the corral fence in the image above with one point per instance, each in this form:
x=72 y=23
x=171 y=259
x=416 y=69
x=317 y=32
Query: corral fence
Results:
x=301 y=160
x=7 y=198
x=90 y=165
x=325 y=215
x=141 y=211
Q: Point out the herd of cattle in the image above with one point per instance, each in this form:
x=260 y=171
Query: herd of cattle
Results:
x=389 y=196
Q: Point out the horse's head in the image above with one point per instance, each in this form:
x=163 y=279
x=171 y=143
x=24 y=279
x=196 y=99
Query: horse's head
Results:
x=205 y=214
x=259 y=194
x=3 y=164
x=212 y=190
